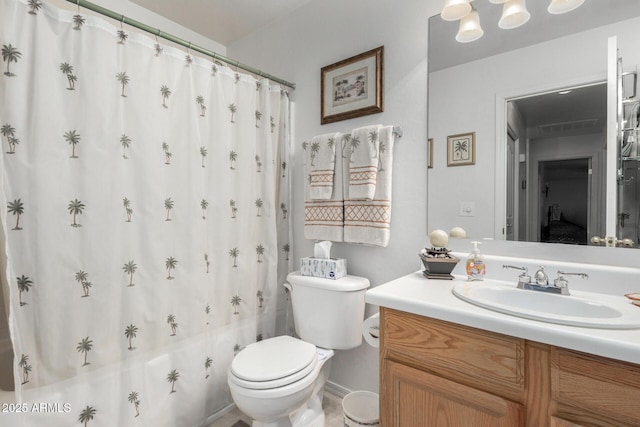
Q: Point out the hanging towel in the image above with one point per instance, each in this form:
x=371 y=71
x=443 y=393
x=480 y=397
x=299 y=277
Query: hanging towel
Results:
x=369 y=221
x=322 y=157
x=363 y=162
x=324 y=219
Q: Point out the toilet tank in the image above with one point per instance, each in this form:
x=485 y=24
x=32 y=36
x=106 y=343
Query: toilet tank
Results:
x=328 y=313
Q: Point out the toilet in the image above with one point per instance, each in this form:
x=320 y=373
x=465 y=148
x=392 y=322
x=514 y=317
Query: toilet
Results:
x=279 y=382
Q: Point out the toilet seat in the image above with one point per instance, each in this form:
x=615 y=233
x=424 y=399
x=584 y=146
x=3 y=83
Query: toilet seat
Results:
x=273 y=363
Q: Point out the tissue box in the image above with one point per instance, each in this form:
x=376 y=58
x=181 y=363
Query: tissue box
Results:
x=331 y=268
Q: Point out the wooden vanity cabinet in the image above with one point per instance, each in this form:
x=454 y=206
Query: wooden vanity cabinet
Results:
x=436 y=373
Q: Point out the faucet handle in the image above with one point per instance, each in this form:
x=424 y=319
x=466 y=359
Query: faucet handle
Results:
x=564 y=273
x=562 y=283
x=523 y=278
x=513 y=267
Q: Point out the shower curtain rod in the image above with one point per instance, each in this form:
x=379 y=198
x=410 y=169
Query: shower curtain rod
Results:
x=156 y=32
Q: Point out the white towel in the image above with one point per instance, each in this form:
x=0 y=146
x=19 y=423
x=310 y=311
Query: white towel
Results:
x=322 y=157
x=369 y=221
x=324 y=219
x=363 y=162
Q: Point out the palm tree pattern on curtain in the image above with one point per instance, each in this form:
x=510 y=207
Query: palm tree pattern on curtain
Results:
x=9 y=132
x=159 y=300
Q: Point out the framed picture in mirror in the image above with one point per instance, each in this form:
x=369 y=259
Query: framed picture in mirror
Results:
x=461 y=149
x=352 y=87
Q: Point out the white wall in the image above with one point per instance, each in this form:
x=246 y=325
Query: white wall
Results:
x=463 y=99
x=296 y=48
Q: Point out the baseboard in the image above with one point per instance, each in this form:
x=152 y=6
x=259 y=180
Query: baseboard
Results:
x=336 y=389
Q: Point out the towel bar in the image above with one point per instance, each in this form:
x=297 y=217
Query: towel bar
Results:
x=397 y=131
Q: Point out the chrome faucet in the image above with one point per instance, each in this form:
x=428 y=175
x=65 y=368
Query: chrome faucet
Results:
x=541 y=277
x=541 y=281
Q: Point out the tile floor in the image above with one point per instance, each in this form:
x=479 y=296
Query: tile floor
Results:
x=331 y=403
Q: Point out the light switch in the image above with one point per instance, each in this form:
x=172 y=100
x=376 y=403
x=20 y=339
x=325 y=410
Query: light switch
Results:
x=467 y=209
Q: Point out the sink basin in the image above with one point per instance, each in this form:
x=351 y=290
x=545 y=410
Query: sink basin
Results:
x=583 y=309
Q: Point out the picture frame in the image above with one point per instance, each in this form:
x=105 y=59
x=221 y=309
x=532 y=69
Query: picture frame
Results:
x=430 y=153
x=353 y=87
x=461 y=149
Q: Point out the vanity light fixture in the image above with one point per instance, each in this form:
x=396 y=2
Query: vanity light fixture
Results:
x=514 y=14
x=470 y=29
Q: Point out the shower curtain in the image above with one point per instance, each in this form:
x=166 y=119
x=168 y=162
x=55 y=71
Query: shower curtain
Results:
x=145 y=198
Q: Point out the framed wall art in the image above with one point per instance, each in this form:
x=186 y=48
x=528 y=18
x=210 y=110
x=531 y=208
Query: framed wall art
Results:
x=352 y=87
x=461 y=149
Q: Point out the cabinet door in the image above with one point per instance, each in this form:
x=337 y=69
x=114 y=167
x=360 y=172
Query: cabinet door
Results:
x=411 y=397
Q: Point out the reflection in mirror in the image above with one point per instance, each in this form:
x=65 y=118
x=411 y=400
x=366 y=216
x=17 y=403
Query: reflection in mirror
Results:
x=628 y=209
x=556 y=150
x=532 y=143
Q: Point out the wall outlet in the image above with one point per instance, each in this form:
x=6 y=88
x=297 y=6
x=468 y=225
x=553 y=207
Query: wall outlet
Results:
x=467 y=209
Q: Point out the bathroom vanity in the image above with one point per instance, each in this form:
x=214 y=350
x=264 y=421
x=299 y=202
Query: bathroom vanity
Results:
x=444 y=361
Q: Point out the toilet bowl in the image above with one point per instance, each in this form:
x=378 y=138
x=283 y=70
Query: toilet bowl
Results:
x=279 y=382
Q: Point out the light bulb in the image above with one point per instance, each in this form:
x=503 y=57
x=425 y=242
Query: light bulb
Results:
x=469 y=29
x=514 y=14
x=455 y=9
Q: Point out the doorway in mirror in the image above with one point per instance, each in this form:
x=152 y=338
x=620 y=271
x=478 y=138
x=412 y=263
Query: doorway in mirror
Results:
x=564 y=201
x=556 y=152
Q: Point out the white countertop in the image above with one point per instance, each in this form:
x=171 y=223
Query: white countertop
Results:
x=416 y=294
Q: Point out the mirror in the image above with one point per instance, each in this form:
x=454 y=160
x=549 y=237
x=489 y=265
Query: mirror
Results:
x=504 y=87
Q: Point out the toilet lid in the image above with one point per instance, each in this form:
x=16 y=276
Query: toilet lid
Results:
x=280 y=358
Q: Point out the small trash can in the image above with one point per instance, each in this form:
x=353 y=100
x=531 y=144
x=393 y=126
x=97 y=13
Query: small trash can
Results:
x=361 y=408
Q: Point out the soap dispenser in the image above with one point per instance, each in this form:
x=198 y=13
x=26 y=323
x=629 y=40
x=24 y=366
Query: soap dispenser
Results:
x=475 y=263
